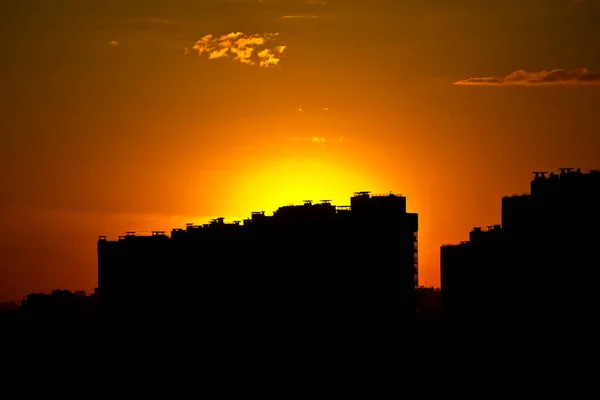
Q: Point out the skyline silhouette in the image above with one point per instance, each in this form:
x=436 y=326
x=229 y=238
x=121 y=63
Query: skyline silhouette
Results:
x=135 y=133
x=136 y=115
x=349 y=274
x=341 y=268
x=215 y=223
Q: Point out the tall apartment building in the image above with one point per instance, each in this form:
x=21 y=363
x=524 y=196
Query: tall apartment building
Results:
x=313 y=264
x=539 y=267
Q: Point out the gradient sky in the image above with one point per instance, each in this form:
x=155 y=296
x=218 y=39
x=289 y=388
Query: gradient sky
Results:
x=123 y=115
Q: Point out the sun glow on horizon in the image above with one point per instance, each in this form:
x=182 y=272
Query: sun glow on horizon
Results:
x=289 y=182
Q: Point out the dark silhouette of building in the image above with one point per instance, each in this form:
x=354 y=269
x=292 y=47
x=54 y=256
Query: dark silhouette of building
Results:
x=9 y=306
x=534 y=276
x=429 y=329
x=429 y=302
x=310 y=267
x=59 y=307
x=9 y=313
x=470 y=273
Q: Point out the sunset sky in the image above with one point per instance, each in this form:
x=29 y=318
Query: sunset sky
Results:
x=121 y=115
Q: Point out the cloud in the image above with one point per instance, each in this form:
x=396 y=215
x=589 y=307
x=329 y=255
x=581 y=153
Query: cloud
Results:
x=243 y=55
x=579 y=76
x=113 y=43
x=218 y=53
x=322 y=139
x=300 y=16
x=317 y=140
x=267 y=58
x=242 y=47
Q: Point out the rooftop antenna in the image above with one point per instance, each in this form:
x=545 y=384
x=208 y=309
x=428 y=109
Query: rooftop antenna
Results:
x=565 y=170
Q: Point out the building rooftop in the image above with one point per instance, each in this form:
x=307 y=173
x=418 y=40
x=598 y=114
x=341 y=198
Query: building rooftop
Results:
x=312 y=209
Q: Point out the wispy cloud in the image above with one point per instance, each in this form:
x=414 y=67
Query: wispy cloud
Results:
x=113 y=43
x=300 y=109
x=300 y=16
x=315 y=139
x=579 y=76
x=241 y=47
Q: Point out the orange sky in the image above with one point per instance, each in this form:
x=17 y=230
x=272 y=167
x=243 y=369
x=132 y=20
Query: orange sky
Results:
x=126 y=115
